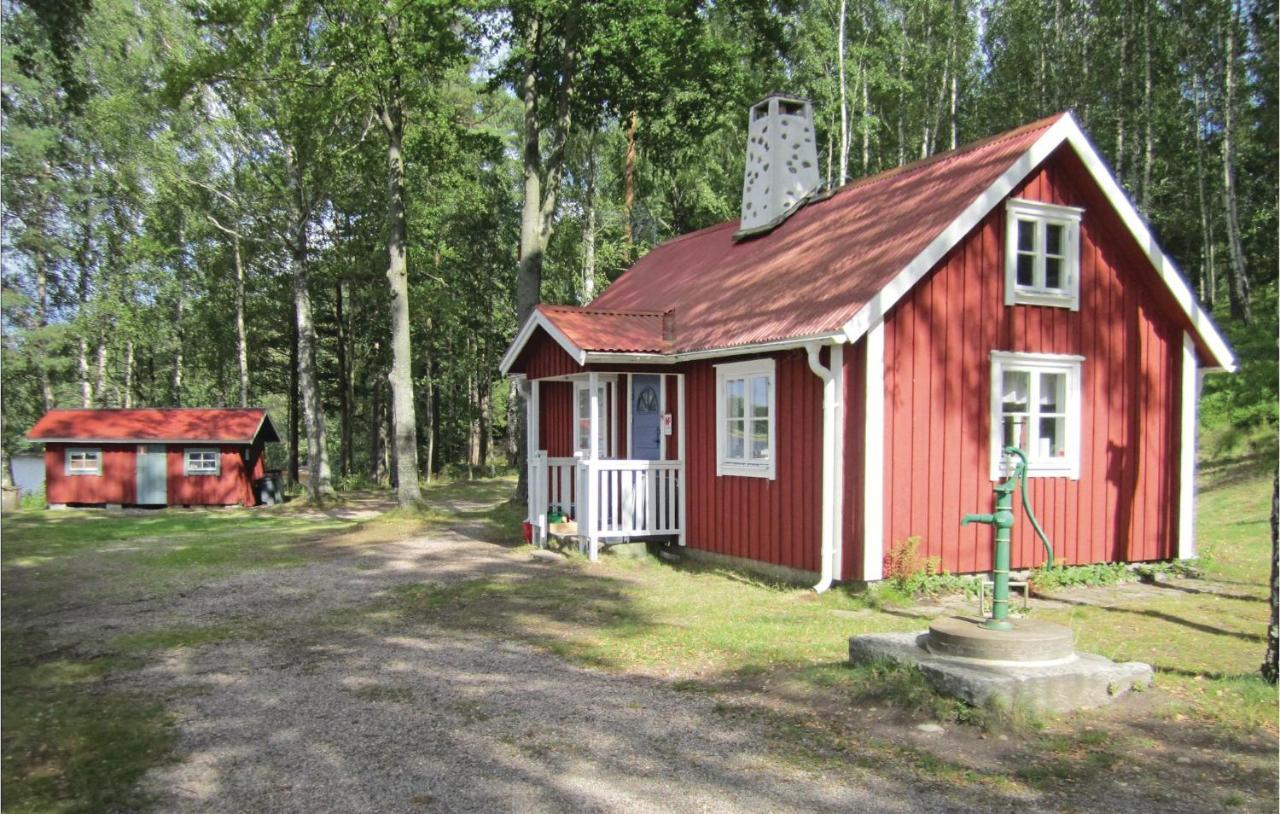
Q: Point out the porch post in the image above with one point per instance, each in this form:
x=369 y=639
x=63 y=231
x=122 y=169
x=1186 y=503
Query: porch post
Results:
x=682 y=484
x=593 y=456
x=538 y=495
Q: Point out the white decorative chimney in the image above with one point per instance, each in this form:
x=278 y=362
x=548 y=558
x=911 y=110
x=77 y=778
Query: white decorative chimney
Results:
x=782 y=162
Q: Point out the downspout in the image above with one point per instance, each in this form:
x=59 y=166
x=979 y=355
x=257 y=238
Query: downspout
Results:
x=830 y=435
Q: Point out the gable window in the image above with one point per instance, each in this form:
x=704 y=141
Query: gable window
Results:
x=1042 y=255
x=203 y=462
x=1035 y=406
x=84 y=461
x=582 y=417
x=745 y=419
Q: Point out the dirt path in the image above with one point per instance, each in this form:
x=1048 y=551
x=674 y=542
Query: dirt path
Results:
x=295 y=708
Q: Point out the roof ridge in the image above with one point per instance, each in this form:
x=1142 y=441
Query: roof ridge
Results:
x=613 y=312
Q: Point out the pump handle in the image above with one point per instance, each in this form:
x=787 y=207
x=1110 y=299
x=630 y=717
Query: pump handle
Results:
x=1020 y=472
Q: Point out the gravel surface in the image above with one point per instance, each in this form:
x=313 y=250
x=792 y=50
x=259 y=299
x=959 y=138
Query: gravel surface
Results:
x=307 y=716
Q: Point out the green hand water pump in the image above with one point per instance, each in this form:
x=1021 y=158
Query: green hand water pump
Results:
x=1002 y=519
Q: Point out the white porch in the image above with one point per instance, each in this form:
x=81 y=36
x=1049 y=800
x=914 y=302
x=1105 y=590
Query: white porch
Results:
x=614 y=494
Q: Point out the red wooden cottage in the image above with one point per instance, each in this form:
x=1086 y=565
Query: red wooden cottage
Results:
x=153 y=457
x=837 y=371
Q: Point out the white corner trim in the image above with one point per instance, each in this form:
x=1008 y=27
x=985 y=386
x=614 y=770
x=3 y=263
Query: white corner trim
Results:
x=1065 y=129
x=873 y=454
x=1191 y=378
x=539 y=320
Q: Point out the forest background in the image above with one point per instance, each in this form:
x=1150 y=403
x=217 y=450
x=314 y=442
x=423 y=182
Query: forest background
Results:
x=342 y=209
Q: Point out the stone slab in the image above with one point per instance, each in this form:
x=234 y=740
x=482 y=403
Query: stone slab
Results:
x=1082 y=682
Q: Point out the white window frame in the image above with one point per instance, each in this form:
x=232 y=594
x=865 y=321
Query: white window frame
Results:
x=608 y=389
x=1043 y=214
x=1034 y=364
x=96 y=452
x=201 y=470
x=746 y=467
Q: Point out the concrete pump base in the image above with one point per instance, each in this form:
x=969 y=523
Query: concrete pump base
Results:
x=1081 y=681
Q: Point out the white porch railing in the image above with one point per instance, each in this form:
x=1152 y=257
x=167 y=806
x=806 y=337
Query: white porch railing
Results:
x=610 y=499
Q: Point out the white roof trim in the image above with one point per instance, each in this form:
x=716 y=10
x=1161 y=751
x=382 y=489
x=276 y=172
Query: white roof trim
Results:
x=1065 y=129
x=239 y=442
x=539 y=320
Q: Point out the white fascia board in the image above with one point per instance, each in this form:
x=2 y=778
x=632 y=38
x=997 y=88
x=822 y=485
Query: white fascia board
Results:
x=539 y=320
x=1168 y=272
x=759 y=347
x=1065 y=129
x=184 y=441
x=614 y=357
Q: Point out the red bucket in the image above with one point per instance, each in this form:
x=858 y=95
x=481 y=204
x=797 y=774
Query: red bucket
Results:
x=528 y=531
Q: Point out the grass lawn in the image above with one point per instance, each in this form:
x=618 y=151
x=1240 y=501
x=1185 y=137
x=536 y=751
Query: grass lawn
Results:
x=76 y=737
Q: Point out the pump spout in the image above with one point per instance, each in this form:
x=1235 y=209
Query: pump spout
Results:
x=989 y=519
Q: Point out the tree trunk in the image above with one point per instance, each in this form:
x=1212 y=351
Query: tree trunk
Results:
x=429 y=412
x=843 y=175
x=377 y=421
x=1238 y=290
x=100 y=376
x=1271 y=663
x=344 y=382
x=629 y=183
x=589 y=230
x=866 y=127
x=86 y=386
x=242 y=340
x=406 y=426
x=126 y=397
x=1206 y=275
x=294 y=413
x=42 y=322
x=1120 y=86
x=486 y=423
x=1148 y=147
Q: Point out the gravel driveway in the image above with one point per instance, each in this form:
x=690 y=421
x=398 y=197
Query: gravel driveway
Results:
x=305 y=715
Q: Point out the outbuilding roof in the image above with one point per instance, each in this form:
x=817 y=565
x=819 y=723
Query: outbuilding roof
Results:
x=236 y=425
x=836 y=266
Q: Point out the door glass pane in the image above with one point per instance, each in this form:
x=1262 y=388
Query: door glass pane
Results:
x=760 y=440
x=736 y=444
x=736 y=390
x=584 y=418
x=760 y=397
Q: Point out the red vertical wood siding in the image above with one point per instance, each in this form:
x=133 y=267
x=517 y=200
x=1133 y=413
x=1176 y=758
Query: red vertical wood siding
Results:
x=227 y=487
x=774 y=521
x=115 y=484
x=543 y=357
x=855 y=423
x=938 y=341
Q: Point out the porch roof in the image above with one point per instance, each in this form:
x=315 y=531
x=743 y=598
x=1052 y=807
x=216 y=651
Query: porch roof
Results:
x=600 y=330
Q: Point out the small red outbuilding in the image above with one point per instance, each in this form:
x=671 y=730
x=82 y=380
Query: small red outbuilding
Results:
x=153 y=457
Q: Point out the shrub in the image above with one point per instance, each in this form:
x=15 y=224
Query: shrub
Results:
x=914 y=574
x=1072 y=576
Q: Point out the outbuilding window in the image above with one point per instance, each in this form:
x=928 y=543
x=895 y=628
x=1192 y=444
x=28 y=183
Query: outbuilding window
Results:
x=582 y=416
x=203 y=461
x=84 y=461
x=1035 y=406
x=745 y=419
x=1042 y=255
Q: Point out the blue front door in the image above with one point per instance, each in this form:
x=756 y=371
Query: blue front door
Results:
x=646 y=417
x=152 y=486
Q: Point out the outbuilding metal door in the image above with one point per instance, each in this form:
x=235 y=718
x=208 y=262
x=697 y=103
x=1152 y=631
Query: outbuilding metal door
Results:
x=152 y=489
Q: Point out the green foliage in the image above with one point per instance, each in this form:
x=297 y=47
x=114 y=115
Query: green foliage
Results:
x=1045 y=578
x=912 y=574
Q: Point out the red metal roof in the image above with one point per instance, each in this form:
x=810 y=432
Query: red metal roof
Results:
x=597 y=329
x=232 y=425
x=806 y=278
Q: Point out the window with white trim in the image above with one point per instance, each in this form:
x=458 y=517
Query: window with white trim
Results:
x=1042 y=255
x=582 y=417
x=746 y=425
x=84 y=461
x=1035 y=406
x=202 y=461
